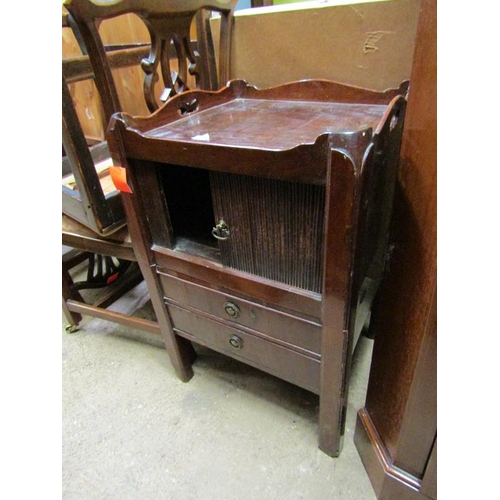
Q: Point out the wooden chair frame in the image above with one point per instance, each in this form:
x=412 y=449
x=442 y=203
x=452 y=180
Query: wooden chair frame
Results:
x=169 y=25
x=97 y=223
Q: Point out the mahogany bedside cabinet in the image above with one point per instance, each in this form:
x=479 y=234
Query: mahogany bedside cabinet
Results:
x=259 y=218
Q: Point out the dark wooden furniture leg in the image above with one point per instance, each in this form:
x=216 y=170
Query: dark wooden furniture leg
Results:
x=69 y=294
x=180 y=351
x=337 y=340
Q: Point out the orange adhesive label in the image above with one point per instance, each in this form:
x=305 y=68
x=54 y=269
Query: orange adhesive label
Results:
x=119 y=178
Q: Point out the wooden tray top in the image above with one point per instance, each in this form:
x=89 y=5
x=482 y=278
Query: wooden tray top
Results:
x=268 y=124
x=284 y=132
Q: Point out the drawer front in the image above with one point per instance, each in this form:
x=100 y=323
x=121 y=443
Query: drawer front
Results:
x=289 y=365
x=236 y=311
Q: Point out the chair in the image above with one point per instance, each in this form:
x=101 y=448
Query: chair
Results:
x=93 y=223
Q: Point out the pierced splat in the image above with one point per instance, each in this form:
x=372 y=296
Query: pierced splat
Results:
x=173 y=55
x=175 y=59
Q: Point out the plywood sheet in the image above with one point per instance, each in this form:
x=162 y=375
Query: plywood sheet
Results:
x=364 y=44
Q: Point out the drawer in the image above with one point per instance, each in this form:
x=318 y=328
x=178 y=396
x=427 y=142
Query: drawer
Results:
x=284 y=363
x=236 y=311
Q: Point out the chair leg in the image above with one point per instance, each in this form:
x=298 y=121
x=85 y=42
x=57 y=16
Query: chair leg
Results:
x=69 y=293
x=101 y=272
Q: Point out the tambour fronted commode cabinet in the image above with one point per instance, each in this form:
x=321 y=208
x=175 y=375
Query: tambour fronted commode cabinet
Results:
x=260 y=219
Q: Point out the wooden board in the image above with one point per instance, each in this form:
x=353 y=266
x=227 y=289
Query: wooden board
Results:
x=365 y=44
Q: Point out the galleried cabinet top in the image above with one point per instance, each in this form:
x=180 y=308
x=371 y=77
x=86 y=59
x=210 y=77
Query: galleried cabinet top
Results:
x=279 y=118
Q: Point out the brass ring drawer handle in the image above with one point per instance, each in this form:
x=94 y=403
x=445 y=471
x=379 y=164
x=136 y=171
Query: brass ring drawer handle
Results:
x=231 y=309
x=221 y=231
x=236 y=342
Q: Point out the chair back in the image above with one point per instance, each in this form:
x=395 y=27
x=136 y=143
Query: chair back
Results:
x=173 y=55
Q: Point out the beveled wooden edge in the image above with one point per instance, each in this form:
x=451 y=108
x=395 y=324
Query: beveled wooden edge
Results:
x=313 y=90
x=388 y=481
x=90 y=10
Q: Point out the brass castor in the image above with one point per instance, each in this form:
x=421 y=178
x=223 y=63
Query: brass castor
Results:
x=71 y=328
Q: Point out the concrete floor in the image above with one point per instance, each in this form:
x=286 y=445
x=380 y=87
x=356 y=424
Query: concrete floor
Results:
x=132 y=430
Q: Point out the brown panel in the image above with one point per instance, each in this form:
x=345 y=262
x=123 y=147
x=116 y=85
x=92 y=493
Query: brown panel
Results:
x=419 y=426
x=368 y=44
x=406 y=307
x=276 y=228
